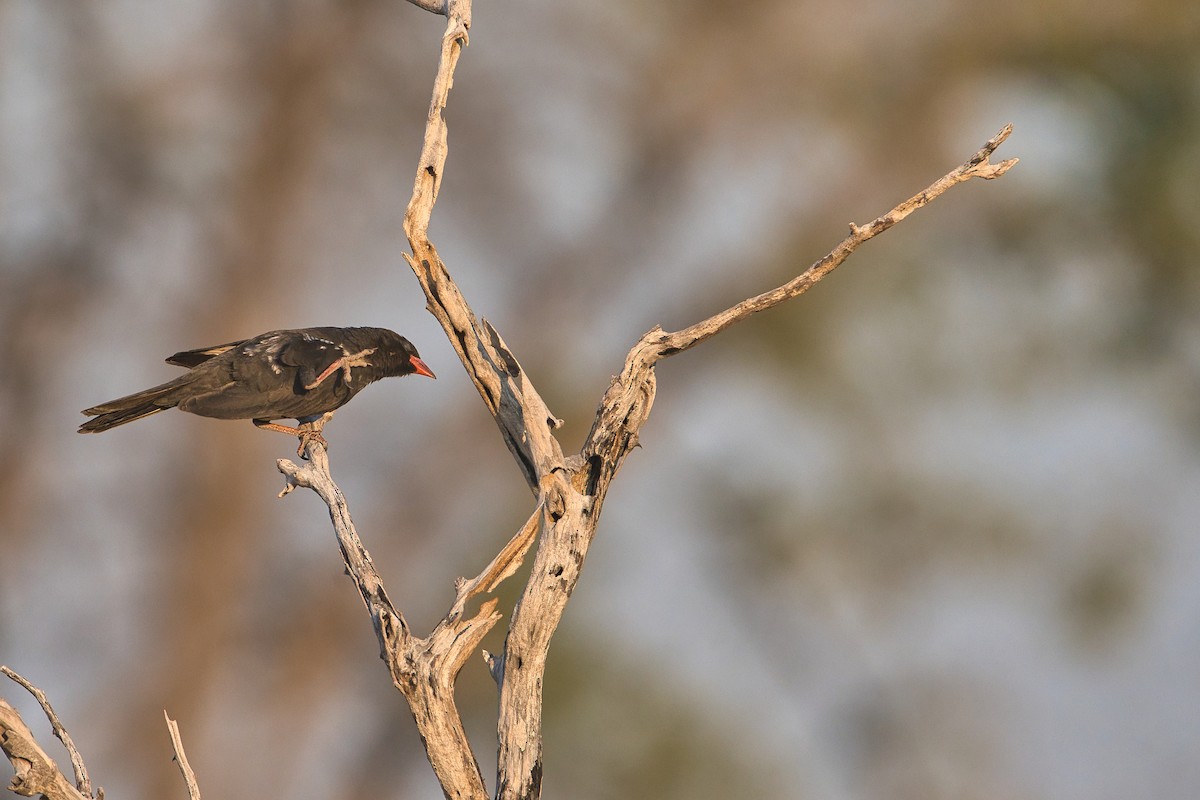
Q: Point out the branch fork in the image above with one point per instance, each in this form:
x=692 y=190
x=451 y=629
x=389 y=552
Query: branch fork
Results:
x=570 y=491
x=424 y=669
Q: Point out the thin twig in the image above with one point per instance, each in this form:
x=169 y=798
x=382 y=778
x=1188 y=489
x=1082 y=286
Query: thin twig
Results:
x=82 y=782
x=506 y=562
x=189 y=777
x=977 y=166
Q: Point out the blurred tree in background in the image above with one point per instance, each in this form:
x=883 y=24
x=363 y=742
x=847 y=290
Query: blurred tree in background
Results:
x=944 y=508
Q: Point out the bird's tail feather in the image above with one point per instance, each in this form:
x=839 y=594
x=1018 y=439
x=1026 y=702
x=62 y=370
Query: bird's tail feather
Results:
x=134 y=406
x=115 y=418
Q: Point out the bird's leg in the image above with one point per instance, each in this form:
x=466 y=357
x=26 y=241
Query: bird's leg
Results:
x=267 y=425
x=344 y=363
x=308 y=431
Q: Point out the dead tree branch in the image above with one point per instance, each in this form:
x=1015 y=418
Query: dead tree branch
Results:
x=577 y=498
x=978 y=166
x=423 y=669
x=35 y=773
x=626 y=403
x=185 y=769
x=525 y=422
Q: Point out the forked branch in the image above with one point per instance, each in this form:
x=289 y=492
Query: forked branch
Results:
x=627 y=402
x=34 y=772
x=570 y=491
x=424 y=669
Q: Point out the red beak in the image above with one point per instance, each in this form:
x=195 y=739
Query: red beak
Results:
x=420 y=369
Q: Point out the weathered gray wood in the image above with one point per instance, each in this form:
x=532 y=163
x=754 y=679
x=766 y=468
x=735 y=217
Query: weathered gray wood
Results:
x=34 y=772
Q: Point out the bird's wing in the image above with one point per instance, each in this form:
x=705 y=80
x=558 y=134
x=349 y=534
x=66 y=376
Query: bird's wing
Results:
x=194 y=358
x=311 y=355
x=238 y=400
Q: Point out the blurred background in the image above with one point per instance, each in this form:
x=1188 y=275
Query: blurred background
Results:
x=929 y=531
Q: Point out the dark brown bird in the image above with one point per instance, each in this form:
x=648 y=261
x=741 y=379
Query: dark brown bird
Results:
x=303 y=374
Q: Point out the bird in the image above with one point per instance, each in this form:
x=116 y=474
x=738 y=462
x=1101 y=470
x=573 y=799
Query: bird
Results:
x=304 y=374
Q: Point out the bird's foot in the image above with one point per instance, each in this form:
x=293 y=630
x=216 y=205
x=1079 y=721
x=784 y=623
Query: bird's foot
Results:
x=344 y=364
x=309 y=431
x=308 y=437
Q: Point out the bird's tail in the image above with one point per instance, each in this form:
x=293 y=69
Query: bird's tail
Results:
x=135 y=406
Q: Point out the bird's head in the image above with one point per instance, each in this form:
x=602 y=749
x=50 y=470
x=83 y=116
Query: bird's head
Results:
x=394 y=355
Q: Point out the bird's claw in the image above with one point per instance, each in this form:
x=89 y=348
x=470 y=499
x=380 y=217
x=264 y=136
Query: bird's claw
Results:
x=310 y=433
x=310 y=436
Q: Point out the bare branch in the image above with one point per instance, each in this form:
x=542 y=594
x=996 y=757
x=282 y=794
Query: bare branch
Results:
x=189 y=777
x=627 y=402
x=506 y=562
x=423 y=669
x=571 y=524
x=35 y=773
x=568 y=528
x=390 y=625
x=977 y=166
x=82 y=781
x=525 y=422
